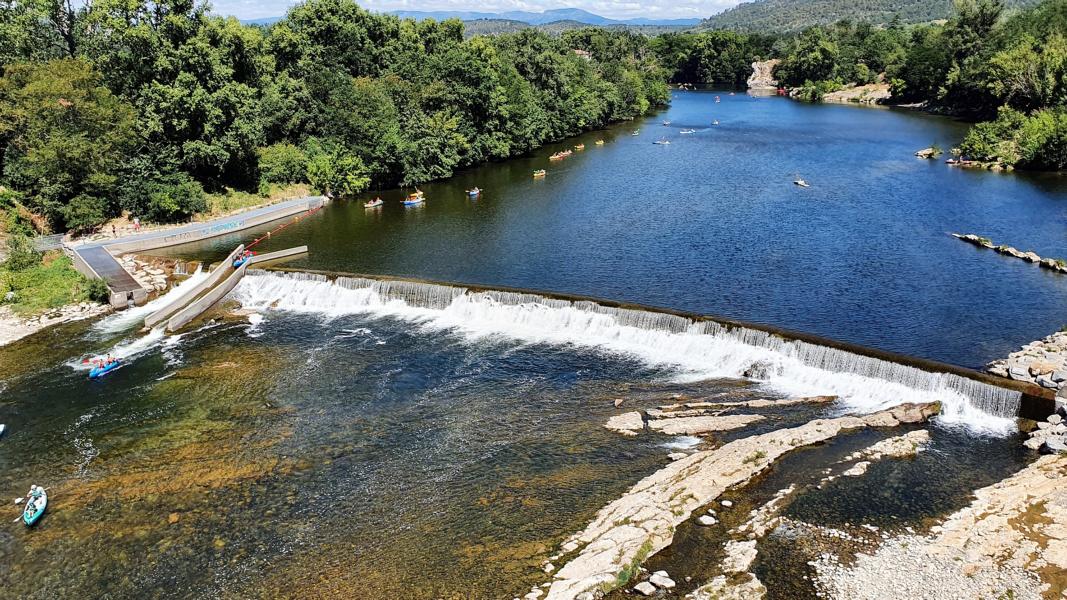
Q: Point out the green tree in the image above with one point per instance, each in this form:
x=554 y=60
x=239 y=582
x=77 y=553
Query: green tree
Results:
x=335 y=170
x=282 y=163
x=63 y=136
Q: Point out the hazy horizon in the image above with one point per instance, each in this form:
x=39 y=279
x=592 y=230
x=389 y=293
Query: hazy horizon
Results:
x=651 y=9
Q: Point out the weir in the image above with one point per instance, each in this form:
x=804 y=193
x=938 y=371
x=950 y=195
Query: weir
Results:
x=708 y=346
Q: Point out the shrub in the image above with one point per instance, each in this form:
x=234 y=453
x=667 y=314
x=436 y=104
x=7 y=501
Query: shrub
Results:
x=85 y=212
x=21 y=254
x=176 y=199
x=282 y=163
x=97 y=291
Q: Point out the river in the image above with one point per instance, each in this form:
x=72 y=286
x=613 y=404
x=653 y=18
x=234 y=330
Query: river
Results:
x=339 y=444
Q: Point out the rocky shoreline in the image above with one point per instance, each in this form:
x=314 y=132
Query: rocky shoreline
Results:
x=14 y=327
x=1043 y=362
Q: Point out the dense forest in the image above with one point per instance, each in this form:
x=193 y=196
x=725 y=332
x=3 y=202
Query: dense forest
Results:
x=126 y=105
x=790 y=16
x=116 y=106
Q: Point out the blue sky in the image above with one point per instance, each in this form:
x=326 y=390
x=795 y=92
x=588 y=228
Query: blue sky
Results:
x=658 y=9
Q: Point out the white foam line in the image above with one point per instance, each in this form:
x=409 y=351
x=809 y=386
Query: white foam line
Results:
x=695 y=351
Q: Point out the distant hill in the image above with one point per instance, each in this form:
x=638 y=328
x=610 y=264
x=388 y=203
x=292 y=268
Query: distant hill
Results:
x=785 y=16
x=263 y=22
x=540 y=18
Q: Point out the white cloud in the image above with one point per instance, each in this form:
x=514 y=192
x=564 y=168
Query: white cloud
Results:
x=659 y=9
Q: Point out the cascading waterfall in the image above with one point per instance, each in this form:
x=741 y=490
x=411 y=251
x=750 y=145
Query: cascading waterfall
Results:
x=694 y=349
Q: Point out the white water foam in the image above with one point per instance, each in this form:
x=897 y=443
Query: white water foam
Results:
x=124 y=319
x=695 y=350
x=682 y=442
x=127 y=349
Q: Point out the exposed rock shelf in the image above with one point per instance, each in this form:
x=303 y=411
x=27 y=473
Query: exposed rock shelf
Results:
x=642 y=522
x=1010 y=542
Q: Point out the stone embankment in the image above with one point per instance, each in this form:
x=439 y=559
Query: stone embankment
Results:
x=1011 y=542
x=1043 y=362
x=153 y=274
x=1053 y=264
x=642 y=522
x=1050 y=436
x=762 y=78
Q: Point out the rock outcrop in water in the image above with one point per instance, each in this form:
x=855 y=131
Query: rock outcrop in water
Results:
x=762 y=78
x=642 y=522
x=1011 y=542
x=1052 y=264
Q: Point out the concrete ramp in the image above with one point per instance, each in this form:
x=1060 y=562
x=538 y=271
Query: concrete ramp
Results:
x=186 y=296
x=203 y=303
x=261 y=259
x=194 y=303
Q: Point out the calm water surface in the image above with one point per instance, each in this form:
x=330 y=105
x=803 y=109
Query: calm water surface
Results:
x=313 y=454
x=713 y=224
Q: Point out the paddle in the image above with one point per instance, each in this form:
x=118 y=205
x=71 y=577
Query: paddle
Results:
x=19 y=501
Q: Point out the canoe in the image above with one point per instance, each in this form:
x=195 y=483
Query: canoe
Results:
x=97 y=372
x=33 y=511
x=373 y=203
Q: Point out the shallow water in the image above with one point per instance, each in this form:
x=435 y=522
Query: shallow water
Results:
x=311 y=449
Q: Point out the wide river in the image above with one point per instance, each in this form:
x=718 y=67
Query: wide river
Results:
x=712 y=223
x=340 y=443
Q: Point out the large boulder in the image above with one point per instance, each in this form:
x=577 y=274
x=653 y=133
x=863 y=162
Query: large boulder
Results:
x=915 y=413
x=1055 y=444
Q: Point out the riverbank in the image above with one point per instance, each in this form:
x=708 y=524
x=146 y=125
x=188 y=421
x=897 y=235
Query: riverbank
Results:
x=14 y=327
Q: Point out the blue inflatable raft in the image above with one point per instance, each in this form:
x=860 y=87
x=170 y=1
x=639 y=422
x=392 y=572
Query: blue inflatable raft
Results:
x=104 y=370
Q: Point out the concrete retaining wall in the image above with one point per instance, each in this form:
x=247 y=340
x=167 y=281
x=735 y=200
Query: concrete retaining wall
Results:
x=210 y=229
x=206 y=301
x=220 y=272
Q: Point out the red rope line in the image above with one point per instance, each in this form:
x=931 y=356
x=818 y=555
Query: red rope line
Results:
x=273 y=231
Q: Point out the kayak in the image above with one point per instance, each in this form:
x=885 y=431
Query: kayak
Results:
x=240 y=261
x=34 y=509
x=2 y=428
x=104 y=370
x=373 y=203
x=474 y=192
x=413 y=201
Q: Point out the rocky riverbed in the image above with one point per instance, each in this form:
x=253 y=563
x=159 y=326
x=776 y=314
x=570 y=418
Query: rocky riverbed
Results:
x=1011 y=542
x=642 y=522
